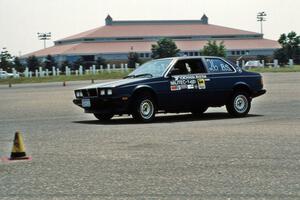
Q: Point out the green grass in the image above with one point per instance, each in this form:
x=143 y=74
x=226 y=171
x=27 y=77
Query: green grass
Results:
x=62 y=78
x=295 y=68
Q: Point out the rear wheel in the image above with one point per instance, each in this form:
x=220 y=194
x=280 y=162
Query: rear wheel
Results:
x=239 y=104
x=103 y=116
x=144 y=108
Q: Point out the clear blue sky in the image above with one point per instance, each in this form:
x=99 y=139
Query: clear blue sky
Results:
x=20 y=20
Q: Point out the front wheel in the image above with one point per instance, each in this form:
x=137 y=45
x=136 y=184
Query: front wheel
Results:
x=103 y=116
x=239 y=104
x=144 y=108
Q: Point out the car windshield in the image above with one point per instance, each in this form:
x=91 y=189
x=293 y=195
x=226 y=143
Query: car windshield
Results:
x=154 y=68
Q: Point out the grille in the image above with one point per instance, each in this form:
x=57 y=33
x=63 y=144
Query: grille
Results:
x=92 y=92
x=89 y=93
x=84 y=93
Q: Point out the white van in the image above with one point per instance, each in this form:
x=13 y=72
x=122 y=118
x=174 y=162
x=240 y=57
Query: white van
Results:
x=253 y=63
x=4 y=74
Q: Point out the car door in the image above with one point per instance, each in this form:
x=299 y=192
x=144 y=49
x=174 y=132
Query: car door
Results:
x=186 y=87
x=220 y=79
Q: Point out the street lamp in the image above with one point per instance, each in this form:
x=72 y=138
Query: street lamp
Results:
x=44 y=36
x=261 y=17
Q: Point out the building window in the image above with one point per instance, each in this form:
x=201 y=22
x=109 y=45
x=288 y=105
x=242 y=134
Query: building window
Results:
x=88 y=58
x=243 y=52
x=181 y=38
x=147 y=55
x=238 y=52
x=88 y=39
x=142 y=55
x=224 y=36
x=191 y=54
x=232 y=52
x=129 y=38
x=196 y=53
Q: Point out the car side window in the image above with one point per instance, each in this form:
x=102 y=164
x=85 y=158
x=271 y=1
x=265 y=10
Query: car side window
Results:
x=188 y=66
x=215 y=65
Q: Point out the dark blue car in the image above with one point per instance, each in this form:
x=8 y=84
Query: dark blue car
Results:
x=181 y=84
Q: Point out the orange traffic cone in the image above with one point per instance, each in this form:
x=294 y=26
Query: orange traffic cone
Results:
x=18 y=150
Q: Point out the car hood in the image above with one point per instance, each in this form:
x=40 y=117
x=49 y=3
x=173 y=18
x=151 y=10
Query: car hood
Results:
x=113 y=84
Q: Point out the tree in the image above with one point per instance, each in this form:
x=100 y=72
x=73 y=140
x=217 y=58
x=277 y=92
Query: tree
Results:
x=5 y=60
x=79 y=62
x=49 y=62
x=18 y=65
x=100 y=61
x=281 y=56
x=32 y=63
x=65 y=64
x=164 y=48
x=289 y=48
x=261 y=57
x=133 y=58
x=213 y=49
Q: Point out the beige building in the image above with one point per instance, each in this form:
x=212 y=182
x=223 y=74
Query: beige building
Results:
x=116 y=39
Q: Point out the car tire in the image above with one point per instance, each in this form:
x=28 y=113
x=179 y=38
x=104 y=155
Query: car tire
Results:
x=144 y=108
x=239 y=104
x=199 y=111
x=103 y=116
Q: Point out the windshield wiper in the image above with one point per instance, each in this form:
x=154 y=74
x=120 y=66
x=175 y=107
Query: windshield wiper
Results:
x=138 y=75
x=146 y=74
x=129 y=76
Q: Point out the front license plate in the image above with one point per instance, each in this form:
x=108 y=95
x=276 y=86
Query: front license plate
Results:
x=86 y=103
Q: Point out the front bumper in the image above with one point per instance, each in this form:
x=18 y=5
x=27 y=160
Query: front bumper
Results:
x=113 y=105
x=259 y=93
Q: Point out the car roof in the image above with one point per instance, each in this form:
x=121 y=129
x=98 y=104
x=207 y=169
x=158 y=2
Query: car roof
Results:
x=188 y=57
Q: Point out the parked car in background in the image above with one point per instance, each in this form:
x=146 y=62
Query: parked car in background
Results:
x=253 y=63
x=180 y=84
x=4 y=74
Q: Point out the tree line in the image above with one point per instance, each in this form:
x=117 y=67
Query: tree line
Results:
x=290 y=48
x=165 y=47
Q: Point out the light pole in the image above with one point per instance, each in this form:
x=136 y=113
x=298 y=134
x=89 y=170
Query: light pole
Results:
x=44 y=36
x=261 y=17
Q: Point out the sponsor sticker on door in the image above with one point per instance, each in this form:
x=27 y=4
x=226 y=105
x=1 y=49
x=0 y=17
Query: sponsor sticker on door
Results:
x=201 y=84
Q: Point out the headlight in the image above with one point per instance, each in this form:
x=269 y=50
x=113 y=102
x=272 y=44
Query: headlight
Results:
x=109 y=92
x=78 y=94
x=102 y=92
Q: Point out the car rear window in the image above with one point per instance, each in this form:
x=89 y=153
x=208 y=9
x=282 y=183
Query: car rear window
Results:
x=215 y=65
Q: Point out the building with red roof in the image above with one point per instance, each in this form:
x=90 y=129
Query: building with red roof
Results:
x=116 y=39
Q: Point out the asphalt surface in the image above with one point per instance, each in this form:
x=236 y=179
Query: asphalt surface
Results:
x=176 y=157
